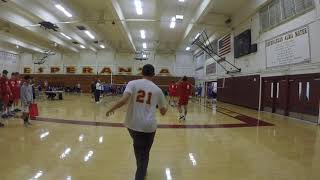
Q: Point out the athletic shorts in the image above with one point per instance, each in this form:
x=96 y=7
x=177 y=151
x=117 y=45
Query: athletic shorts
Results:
x=5 y=99
x=183 y=101
x=172 y=93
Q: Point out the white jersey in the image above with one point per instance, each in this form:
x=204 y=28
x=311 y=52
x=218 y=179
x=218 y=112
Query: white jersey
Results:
x=145 y=96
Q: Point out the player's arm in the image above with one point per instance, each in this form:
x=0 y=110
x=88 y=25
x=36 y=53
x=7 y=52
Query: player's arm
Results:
x=124 y=99
x=163 y=105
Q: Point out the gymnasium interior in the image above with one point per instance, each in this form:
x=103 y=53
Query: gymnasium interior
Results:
x=253 y=113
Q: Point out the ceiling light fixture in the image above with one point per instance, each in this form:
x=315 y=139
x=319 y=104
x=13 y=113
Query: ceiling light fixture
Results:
x=181 y=0
x=144 y=45
x=173 y=23
x=65 y=35
x=102 y=46
x=179 y=17
x=188 y=48
x=82 y=46
x=197 y=36
x=143 y=34
x=89 y=34
x=138 y=7
x=61 y=8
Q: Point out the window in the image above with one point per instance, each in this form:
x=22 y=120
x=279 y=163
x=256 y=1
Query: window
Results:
x=288 y=8
x=278 y=87
x=308 y=91
x=300 y=90
x=278 y=11
x=275 y=12
x=271 y=90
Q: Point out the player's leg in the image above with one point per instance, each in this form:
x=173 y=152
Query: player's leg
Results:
x=180 y=106
x=25 y=114
x=142 y=143
x=185 y=111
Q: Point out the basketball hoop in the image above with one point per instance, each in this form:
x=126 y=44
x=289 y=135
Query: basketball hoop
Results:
x=202 y=41
x=41 y=58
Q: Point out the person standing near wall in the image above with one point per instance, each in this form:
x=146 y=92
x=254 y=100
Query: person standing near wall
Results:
x=26 y=93
x=143 y=97
x=98 y=91
x=5 y=93
x=15 y=88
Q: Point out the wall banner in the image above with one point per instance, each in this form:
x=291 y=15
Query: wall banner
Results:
x=290 y=48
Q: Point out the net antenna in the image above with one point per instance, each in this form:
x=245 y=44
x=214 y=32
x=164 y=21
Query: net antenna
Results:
x=142 y=55
x=42 y=57
x=202 y=41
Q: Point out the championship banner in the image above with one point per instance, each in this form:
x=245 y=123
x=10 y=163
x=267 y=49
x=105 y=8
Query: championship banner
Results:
x=105 y=70
x=125 y=70
x=164 y=72
x=55 y=69
x=27 y=70
x=290 y=48
x=88 y=70
x=71 y=69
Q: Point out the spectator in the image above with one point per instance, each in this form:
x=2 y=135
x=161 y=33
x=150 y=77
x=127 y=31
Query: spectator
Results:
x=26 y=99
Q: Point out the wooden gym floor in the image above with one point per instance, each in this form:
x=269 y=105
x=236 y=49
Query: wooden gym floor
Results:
x=72 y=140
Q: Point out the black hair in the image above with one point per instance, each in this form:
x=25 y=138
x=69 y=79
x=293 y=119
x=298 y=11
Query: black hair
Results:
x=184 y=78
x=148 y=70
x=27 y=77
x=5 y=72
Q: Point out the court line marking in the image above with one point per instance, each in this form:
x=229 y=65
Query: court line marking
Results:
x=247 y=121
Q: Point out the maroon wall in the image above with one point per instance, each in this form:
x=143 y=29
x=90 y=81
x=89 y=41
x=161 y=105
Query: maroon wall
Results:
x=85 y=80
x=289 y=100
x=242 y=91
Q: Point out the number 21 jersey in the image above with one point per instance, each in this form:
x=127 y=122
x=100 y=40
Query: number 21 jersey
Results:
x=145 y=96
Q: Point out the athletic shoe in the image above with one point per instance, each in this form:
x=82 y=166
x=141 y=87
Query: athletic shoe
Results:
x=181 y=117
x=1 y=125
x=4 y=116
x=26 y=124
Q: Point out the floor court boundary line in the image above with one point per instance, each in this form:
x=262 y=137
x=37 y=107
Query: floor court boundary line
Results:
x=241 y=117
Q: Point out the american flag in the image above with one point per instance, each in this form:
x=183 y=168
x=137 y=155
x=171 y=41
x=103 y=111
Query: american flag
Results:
x=224 y=45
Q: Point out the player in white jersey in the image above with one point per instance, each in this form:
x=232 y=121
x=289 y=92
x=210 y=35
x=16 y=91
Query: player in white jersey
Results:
x=143 y=97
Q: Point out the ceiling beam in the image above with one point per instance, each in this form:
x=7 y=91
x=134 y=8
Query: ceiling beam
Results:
x=24 y=15
x=117 y=8
x=204 y=6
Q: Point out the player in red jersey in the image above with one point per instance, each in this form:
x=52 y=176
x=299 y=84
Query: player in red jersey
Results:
x=5 y=92
x=184 y=91
x=15 y=89
x=172 y=93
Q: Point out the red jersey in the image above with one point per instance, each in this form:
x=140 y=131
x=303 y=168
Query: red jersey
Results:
x=184 y=89
x=14 y=87
x=171 y=87
x=4 y=86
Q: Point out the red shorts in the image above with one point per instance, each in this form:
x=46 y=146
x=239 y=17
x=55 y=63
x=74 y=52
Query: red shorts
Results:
x=16 y=96
x=173 y=93
x=5 y=99
x=183 y=100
